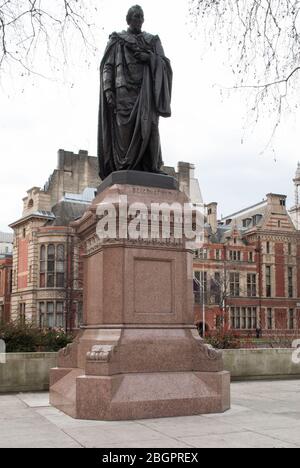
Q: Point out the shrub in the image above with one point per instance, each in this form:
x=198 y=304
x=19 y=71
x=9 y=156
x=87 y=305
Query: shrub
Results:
x=223 y=340
x=27 y=338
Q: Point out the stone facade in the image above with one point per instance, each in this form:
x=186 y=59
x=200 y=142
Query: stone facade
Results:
x=6 y=243
x=248 y=272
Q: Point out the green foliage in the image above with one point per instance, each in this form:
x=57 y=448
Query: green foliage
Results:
x=223 y=340
x=27 y=338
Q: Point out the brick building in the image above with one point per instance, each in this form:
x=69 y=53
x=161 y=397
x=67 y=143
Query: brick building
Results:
x=6 y=247
x=47 y=273
x=46 y=277
x=5 y=287
x=6 y=243
x=248 y=273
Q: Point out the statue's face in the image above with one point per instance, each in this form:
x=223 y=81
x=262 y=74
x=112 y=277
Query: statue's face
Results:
x=136 y=21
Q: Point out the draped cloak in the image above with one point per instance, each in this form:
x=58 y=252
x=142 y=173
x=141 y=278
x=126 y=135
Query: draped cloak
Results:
x=128 y=136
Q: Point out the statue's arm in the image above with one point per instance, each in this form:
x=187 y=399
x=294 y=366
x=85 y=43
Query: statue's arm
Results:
x=108 y=74
x=159 y=50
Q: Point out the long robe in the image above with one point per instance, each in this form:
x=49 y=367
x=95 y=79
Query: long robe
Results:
x=128 y=136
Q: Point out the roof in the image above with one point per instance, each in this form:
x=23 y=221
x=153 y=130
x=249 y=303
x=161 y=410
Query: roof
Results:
x=36 y=214
x=6 y=237
x=87 y=196
x=67 y=212
x=247 y=211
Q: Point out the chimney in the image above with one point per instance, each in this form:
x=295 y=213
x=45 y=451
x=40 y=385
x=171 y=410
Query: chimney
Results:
x=277 y=203
x=212 y=216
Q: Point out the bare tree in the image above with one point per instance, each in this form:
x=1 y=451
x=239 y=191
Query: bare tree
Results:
x=263 y=39
x=42 y=28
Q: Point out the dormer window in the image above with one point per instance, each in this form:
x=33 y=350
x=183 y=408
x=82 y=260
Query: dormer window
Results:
x=282 y=202
x=247 y=222
x=30 y=204
x=256 y=219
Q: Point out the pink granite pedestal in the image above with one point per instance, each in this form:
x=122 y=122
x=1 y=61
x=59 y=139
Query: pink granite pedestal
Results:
x=139 y=354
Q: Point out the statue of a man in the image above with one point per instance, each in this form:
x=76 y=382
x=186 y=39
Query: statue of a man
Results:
x=136 y=86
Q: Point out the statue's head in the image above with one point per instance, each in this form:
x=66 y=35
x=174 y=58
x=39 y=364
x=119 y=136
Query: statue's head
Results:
x=135 y=18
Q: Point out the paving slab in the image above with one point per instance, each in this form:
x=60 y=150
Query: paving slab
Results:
x=263 y=415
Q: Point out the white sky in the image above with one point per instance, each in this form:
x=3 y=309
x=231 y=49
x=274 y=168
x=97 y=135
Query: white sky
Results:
x=204 y=129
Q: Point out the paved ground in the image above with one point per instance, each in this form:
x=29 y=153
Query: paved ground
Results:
x=263 y=414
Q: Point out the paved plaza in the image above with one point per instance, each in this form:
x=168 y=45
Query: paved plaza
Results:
x=263 y=415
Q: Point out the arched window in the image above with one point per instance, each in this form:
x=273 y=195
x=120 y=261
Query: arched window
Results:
x=30 y=204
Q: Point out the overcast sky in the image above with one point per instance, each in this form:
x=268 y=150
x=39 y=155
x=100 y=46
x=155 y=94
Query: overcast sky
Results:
x=43 y=115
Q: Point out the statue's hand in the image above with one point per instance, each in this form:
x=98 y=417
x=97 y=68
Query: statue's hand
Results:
x=143 y=57
x=111 y=100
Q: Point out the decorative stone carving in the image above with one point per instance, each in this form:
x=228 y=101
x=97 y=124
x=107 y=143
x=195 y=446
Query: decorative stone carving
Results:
x=210 y=352
x=102 y=353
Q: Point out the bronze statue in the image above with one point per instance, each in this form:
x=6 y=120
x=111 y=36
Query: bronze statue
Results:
x=136 y=86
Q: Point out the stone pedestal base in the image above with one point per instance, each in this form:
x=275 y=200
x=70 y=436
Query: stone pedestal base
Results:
x=139 y=354
x=138 y=374
x=141 y=396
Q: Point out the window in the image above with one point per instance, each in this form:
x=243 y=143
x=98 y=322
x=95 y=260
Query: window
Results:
x=60 y=266
x=50 y=315
x=22 y=313
x=282 y=202
x=251 y=257
x=235 y=255
x=247 y=222
x=270 y=319
x=218 y=254
x=42 y=266
x=290 y=249
x=268 y=281
x=291 y=319
x=201 y=286
x=235 y=318
x=203 y=254
x=251 y=285
x=234 y=284
x=290 y=282
x=79 y=314
x=256 y=219
x=279 y=224
x=52 y=266
x=242 y=318
x=216 y=288
x=268 y=248
x=59 y=319
x=42 y=316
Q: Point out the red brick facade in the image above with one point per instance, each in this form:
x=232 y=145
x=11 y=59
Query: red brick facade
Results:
x=5 y=287
x=252 y=261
